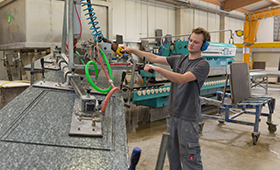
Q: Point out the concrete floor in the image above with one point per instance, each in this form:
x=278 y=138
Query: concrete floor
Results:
x=228 y=146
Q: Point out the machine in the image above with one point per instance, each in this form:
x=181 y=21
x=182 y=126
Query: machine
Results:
x=219 y=56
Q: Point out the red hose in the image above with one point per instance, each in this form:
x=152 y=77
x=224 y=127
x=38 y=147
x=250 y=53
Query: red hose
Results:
x=114 y=89
x=80 y=30
x=102 y=64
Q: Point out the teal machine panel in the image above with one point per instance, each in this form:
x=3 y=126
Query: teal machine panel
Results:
x=152 y=97
x=219 y=55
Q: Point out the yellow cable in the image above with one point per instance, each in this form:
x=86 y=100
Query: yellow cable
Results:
x=26 y=81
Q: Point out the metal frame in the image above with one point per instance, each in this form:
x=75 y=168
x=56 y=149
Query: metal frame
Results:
x=256 y=103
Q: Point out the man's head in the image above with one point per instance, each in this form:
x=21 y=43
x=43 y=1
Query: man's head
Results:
x=198 y=40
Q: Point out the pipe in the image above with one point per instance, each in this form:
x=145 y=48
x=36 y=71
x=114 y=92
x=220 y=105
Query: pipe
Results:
x=204 y=8
x=64 y=29
x=132 y=79
x=71 y=33
x=183 y=35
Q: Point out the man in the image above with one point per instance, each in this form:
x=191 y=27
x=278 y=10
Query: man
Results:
x=188 y=75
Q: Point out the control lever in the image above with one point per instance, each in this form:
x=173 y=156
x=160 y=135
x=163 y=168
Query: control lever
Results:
x=135 y=156
x=150 y=70
x=122 y=80
x=117 y=49
x=42 y=66
x=88 y=92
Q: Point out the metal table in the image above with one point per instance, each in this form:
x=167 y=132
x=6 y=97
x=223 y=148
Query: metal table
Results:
x=263 y=74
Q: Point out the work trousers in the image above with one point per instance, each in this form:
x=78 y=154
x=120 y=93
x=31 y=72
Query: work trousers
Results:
x=183 y=149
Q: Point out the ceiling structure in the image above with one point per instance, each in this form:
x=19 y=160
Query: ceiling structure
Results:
x=244 y=6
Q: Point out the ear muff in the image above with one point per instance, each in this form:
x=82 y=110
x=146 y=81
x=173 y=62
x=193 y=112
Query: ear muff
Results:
x=204 y=45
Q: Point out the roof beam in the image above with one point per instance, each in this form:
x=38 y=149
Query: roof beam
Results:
x=234 y=4
x=216 y=2
x=272 y=5
x=277 y=2
x=243 y=10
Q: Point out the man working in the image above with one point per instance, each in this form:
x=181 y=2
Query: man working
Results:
x=188 y=75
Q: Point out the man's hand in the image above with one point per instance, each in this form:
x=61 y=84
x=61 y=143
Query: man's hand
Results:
x=126 y=49
x=148 y=67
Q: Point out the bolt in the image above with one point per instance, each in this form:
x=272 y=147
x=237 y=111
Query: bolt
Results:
x=93 y=124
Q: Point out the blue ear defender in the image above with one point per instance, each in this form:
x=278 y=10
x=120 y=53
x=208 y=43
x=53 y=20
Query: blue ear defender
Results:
x=204 y=45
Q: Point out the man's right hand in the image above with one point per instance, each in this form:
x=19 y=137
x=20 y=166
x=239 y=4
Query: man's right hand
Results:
x=126 y=49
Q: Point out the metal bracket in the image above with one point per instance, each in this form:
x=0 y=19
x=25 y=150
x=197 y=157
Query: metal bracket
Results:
x=85 y=123
x=52 y=85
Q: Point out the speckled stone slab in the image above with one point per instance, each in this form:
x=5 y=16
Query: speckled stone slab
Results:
x=34 y=130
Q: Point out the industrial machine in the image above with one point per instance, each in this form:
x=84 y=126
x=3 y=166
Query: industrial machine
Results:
x=219 y=56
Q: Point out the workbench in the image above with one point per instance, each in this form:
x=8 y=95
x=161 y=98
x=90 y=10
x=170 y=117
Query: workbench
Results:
x=34 y=132
x=256 y=74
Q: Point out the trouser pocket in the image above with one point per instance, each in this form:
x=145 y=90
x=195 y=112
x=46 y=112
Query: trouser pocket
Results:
x=193 y=152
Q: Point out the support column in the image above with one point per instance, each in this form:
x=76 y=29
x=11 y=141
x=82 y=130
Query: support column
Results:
x=179 y=22
x=222 y=27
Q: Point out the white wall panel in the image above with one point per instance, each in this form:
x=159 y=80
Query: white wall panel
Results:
x=131 y=28
x=265 y=31
x=200 y=19
x=142 y=12
x=233 y=24
x=161 y=19
x=214 y=25
x=171 y=21
x=188 y=20
x=119 y=19
x=151 y=18
x=132 y=19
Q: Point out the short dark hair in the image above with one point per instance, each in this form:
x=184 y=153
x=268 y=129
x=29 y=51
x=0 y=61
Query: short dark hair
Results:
x=206 y=34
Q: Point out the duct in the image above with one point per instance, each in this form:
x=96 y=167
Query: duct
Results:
x=194 y=5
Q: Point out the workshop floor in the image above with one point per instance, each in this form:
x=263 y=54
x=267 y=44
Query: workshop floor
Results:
x=228 y=146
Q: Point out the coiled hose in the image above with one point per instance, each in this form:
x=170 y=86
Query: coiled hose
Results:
x=96 y=32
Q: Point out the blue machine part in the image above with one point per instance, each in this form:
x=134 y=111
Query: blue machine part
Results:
x=152 y=97
x=179 y=47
